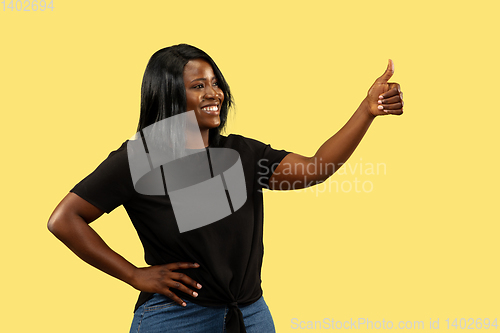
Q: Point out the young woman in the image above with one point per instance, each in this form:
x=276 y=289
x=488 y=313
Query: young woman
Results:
x=205 y=279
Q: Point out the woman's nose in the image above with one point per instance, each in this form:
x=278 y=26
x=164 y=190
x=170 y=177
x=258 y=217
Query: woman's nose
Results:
x=212 y=92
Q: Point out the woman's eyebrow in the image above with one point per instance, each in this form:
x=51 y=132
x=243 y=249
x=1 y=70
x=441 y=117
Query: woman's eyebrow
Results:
x=202 y=79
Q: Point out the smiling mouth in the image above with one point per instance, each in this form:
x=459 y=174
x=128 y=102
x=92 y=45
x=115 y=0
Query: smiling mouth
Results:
x=212 y=109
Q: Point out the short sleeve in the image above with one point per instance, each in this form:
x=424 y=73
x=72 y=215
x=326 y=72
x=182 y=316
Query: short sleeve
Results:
x=267 y=159
x=110 y=184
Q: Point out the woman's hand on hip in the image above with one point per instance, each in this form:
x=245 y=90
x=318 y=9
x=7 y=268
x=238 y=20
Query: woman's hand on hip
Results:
x=162 y=279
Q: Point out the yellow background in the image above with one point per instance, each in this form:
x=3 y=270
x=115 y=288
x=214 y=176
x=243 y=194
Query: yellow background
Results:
x=422 y=244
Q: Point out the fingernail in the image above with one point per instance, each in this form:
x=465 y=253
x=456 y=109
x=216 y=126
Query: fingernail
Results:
x=379 y=101
x=195 y=294
x=380 y=107
x=199 y=286
x=386 y=111
x=381 y=97
x=183 y=304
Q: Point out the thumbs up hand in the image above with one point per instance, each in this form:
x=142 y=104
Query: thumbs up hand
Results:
x=385 y=97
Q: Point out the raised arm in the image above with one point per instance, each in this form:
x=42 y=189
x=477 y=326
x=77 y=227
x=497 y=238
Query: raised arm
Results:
x=296 y=171
x=70 y=224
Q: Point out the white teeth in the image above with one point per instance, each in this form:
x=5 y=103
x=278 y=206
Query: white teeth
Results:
x=210 y=108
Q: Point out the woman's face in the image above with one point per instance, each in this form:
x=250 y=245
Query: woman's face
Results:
x=203 y=94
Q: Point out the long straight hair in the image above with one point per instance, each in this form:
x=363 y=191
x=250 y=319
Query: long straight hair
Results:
x=163 y=94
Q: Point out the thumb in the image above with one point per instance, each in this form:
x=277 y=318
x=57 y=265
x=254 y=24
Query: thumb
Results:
x=388 y=72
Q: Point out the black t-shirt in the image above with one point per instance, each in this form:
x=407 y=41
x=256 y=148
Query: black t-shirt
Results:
x=229 y=251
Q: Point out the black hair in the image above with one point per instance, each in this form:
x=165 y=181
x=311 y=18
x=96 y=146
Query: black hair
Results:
x=163 y=93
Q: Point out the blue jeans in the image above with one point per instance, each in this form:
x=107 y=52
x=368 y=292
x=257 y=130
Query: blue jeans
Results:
x=162 y=315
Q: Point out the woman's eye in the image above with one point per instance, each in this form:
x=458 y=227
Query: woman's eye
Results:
x=198 y=86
